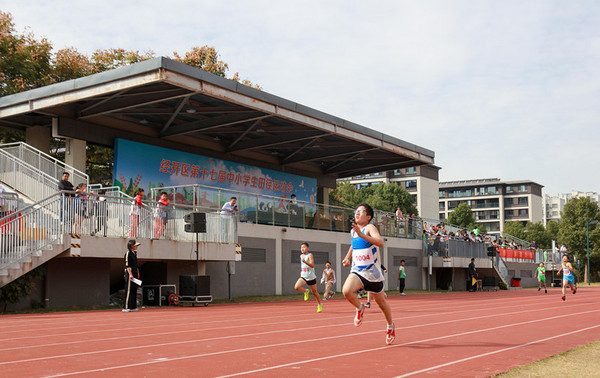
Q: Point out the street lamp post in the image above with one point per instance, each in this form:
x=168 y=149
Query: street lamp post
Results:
x=588 y=249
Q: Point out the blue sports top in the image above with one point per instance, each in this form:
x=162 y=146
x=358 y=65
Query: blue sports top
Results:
x=365 y=259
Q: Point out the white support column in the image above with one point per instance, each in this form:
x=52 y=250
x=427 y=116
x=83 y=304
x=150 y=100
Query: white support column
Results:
x=338 y=264
x=278 y=261
x=39 y=137
x=75 y=154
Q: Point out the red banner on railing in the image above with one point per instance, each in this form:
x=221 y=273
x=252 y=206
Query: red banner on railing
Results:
x=516 y=254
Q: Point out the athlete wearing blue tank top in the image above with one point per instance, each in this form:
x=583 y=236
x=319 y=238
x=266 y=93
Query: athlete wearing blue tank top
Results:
x=568 y=277
x=366 y=268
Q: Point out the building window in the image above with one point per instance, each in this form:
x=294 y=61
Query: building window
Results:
x=523 y=212
x=411 y=184
x=442 y=205
x=508 y=202
x=522 y=188
x=522 y=201
x=414 y=198
x=491 y=190
x=411 y=171
x=508 y=214
x=442 y=194
x=554 y=205
x=509 y=189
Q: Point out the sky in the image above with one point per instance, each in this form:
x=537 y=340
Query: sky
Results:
x=497 y=89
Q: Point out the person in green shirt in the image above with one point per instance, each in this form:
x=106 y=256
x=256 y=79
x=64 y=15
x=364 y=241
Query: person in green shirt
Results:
x=402 y=278
x=541 y=276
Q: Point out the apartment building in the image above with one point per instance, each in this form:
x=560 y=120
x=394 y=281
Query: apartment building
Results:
x=421 y=182
x=555 y=205
x=493 y=201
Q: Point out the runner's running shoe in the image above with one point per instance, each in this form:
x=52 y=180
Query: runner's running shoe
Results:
x=546 y=291
x=539 y=288
x=390 y=334
x=368 y=305
x=359 y=316
x=306 y=294
x=563 y=298
x=575 y=291
x=320 y=308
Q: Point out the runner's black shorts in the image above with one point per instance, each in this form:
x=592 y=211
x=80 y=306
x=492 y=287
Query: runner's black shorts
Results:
x=373 y=287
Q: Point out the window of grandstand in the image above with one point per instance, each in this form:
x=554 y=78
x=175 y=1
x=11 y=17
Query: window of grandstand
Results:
x=254 y=255
x=526 y=273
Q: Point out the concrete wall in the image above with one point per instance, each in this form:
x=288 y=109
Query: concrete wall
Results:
x=76 y=281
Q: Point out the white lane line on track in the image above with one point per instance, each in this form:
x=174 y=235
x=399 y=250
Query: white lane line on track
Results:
x=145 y=324
x=389 y=346
x=50 y=320
x=495 y=352
x=306 y=341
x=187 y=331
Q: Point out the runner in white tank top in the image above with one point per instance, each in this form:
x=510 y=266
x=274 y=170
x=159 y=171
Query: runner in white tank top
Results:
x=365 y=272
x=308 y=276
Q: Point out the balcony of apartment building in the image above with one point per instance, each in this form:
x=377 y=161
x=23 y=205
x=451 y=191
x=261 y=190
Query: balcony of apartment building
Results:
x=516 y=202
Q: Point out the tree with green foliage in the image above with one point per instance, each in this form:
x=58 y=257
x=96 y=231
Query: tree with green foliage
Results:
x=515 y=228
x=384 y=197
x=462 y=216
x=573 y=230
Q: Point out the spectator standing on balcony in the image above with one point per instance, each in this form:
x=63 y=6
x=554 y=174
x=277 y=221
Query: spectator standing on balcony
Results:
x=81 y=206
x=230 y=207
x=328 y=278
x=563 y=249
x=160 y=215
x=65 y=184
x=131 y=272
x=402 y=277
x=308 y=276
x=135 y=212
x=533 y=246
x=473 y=275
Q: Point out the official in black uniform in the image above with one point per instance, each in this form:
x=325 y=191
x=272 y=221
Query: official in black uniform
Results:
x=131 y=271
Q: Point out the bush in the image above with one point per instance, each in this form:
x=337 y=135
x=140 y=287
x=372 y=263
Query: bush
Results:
x=502 y=286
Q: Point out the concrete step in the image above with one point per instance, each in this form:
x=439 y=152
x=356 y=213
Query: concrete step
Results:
x=3 y=272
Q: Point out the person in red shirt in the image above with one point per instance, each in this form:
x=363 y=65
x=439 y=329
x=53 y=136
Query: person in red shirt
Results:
x=160 y=215
x=136 y=207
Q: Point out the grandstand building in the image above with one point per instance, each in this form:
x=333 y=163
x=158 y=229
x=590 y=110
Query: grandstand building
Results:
x=493 y=201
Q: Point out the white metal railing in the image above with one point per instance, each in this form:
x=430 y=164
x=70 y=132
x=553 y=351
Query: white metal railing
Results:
x=113 y=191
x=44 y=162
x=26 y=178
x=8 y=202
x=43 y=224
x=279 y=211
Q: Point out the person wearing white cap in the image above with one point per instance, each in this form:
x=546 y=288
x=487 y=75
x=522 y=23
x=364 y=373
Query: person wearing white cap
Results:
x=131 y=272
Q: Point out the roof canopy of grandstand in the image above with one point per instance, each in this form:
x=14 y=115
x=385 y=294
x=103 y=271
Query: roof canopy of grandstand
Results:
x=169 y=104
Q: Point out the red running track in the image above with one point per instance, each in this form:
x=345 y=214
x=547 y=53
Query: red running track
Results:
x=450 y=334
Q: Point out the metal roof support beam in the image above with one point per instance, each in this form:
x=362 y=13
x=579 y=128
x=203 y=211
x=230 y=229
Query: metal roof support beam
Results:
x=306 y=145
x=98 y=103
x=285 y=139
x=175 y=113
x=332 y=154
x=141 y=100
x=256 y=123
x=213 y=123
